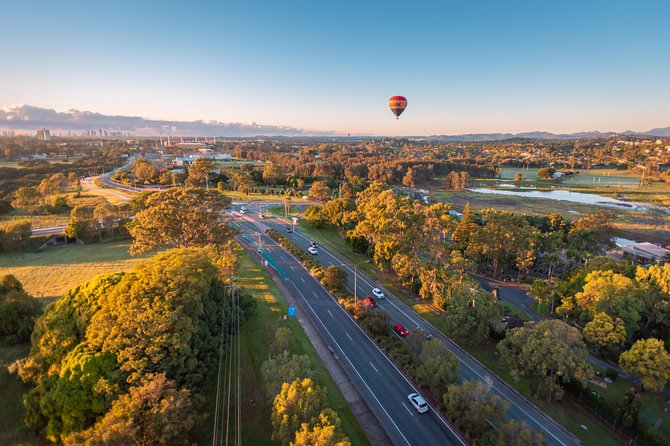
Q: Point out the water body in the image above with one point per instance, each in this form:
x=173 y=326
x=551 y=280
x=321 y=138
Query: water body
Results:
x=564 y=195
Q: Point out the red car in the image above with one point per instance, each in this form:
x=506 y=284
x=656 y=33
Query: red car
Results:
x=370 y=301
x=400 y=329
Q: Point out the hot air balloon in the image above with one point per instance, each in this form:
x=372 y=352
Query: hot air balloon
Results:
x=397 y=105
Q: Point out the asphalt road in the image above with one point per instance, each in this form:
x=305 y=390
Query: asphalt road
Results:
x=382 y=385
x=520 y=408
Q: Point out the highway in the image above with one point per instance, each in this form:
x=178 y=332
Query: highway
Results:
x=381 y=384
x=520 y=408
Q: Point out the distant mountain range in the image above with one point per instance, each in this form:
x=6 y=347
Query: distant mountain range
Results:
x=25 y=118
x=476 y=137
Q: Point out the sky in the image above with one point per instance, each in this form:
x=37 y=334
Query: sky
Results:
x=464 y=66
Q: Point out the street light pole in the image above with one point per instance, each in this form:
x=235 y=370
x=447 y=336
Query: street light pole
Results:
x=356 y=279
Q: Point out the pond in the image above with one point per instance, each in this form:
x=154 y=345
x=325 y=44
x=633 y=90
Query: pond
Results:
x=564 y=195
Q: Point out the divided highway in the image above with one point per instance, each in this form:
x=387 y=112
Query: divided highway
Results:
x=381 y=384
x=325 y=308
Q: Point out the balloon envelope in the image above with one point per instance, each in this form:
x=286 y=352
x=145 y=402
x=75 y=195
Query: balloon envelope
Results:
x=397 y=104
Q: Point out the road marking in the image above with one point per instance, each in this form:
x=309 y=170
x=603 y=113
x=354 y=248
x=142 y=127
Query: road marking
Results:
x=331 y=314
x=302 y=278
x=499 y=391
x=354 y=368
x=373 y=366
x=314 y=293
x=408 y=410
x=448 y=341
x=348 y=336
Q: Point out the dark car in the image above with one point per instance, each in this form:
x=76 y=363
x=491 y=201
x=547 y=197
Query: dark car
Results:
x=313 y=245
x=289 y=229
x=400 y=329
x=369 y=301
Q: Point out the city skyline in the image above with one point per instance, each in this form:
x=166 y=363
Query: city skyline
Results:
x=477 y=68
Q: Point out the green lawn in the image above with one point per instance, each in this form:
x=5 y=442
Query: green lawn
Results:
x=256 y=410
x=52 y=272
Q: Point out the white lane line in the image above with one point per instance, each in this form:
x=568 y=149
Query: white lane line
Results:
x=387 y=358
x=373 y=366
x=314 y=293
x=353 y=367
x=302 y=278
x=331 y=314
x=408 y=410
x=348 y=336
x=482 y=377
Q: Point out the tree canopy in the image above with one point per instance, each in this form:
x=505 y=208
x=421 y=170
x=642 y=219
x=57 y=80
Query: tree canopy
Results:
x=180 y=218
x=549 y=353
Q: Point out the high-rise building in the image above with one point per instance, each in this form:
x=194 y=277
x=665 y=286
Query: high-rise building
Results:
x=43 y=135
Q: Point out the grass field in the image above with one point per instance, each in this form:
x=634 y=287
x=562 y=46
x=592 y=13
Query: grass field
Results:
x=641 y=226
x=256 y=427
x=52 y=272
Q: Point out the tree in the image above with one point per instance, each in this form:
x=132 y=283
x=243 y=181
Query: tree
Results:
x=15 y=235
x=518 y=433
x=198 y=172
x=628 y=410
x=334 y=278
x=465 y=228
x=55 y=184
x=614 y=294
x=79 y=225
x=27 y=197
x=600 y=225
x=180 y=217
x=156 y=412
x=18 y=311
x=475 y=410
x=325 y=431
x=144 y=171
x=541 y=292
x=271 y=174
x=438 y=372
x=319 y=192
x=283 y=341
x=408 y=179
x=339 y=212
x=82 y=392
x=518 y=176
x=649 y=360
x=505 y=239
x=470 y=312
x=283 y=368
x=546 y=172
x=165 y=316
x=242 y=182
x=298 y=402
x=605 y=332
x=314 y=215
x=548 y=353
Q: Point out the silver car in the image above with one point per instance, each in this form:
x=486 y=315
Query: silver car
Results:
x=418 y=402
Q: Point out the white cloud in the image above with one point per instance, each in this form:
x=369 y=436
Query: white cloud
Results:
x=26 y=117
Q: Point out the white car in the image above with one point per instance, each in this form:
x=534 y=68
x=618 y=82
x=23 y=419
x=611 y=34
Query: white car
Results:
x=379 y=294
x=312 y=250
x=243 y=210
x=418 y=402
